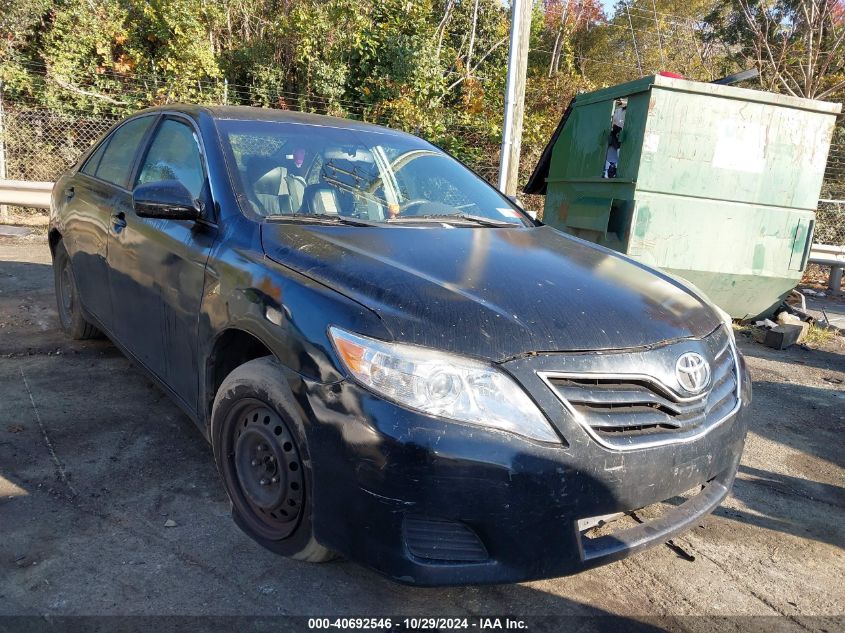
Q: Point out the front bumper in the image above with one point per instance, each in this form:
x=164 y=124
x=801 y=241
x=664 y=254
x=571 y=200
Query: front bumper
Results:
x=378 y=466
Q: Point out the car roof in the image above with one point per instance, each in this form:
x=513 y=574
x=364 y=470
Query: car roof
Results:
x=248 y=113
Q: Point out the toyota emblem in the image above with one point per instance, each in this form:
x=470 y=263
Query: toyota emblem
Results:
x=693 y=372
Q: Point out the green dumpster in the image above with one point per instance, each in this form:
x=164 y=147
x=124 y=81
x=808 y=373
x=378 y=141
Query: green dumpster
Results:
x=712 y=183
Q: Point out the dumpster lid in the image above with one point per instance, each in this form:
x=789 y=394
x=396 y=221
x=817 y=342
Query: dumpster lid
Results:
x=746 y=94
x=537 y=182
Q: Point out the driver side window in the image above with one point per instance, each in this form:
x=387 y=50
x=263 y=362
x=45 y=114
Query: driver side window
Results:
x=174 y=155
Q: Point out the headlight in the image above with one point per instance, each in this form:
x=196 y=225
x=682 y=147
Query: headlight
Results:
x=442 y=384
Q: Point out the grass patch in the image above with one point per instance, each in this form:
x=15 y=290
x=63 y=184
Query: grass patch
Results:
x=818 y=336
x=746 y=330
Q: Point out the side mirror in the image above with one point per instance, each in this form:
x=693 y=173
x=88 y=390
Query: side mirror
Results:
x=166 y=199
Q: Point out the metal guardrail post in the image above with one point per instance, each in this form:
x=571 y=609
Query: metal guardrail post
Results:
x=834 y=257
x=835 y=282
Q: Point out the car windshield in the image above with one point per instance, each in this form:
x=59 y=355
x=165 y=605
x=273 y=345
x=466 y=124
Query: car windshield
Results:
x=301 y=171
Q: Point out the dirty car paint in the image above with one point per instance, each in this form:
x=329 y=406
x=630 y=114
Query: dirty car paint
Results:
x=201 y=293
x=494 y=293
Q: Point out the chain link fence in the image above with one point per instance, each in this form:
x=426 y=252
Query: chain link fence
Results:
x=830 y=229
x=830 y=215
x=830 y=222
x=39 y=144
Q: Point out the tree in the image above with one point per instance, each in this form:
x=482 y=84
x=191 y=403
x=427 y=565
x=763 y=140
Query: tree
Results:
x=433 y=67
x=564 y=18
x=647 y=36
x=86 y=54
x=21 y=22
x=797 y=45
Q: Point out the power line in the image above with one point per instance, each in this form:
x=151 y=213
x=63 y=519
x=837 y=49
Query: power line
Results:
x=683 y=24
x=641 y=10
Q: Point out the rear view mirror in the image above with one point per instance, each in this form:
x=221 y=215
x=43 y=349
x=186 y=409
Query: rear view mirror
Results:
x=166 y=199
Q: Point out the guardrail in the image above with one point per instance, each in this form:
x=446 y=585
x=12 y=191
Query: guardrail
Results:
x=23 y=193
x=833 y=256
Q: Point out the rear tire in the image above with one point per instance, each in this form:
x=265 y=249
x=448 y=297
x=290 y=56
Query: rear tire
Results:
x=262 y=454
x=71 y=317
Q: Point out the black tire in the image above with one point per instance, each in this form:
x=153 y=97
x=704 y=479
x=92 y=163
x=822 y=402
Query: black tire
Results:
x=71 y=317
x=262 y=454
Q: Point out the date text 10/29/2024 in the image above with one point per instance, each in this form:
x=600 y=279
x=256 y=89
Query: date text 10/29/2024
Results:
x=417 y=624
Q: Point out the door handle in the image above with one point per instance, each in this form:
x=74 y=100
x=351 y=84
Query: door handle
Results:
x=69 y=193
x=118 y=220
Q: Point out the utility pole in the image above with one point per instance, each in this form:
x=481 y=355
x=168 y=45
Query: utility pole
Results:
x=4 y=210
x=515 y=95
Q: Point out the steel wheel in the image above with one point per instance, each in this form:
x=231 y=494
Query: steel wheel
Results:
x=66 y=299
x=68 y=304
x=261 y=448
x=264 y=459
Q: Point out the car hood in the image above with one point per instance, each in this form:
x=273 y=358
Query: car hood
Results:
x=493 y=293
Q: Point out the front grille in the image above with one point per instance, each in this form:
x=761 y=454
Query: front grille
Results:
x=442 y=540
x=629 y=410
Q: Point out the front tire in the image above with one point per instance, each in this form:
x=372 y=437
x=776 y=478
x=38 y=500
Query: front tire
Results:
x=262 y=454
x=71 y=318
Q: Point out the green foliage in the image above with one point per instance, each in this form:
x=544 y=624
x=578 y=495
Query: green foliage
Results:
x=434 y=67
x=321 y=36
x=640 y=42
x=797 y=45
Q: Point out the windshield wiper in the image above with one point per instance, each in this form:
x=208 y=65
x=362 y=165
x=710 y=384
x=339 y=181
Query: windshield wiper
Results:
x=327 y=218
x=320 y=218
x=450 y=218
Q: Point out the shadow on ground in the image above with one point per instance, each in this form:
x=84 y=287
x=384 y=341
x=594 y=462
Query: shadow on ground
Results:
x=94 y=460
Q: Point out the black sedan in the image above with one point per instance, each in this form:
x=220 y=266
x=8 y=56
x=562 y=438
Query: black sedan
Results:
x=392 y=362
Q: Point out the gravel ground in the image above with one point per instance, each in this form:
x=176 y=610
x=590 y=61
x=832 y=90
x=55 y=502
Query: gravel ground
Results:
x=95 y=460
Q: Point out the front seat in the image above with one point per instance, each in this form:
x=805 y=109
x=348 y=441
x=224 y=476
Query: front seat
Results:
x=267 y=185
x=271 y=190
x=320 y=198
x=296 y=190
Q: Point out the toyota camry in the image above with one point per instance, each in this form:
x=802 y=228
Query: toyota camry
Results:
x=391 y=361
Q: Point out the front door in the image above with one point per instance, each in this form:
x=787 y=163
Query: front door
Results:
x=157 y=266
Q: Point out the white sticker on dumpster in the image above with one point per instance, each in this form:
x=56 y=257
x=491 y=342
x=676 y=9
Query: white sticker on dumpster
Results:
x=740 y=146
x=651 y=142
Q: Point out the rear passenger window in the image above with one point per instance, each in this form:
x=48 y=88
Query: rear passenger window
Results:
x=90 y=166
x=119 y=155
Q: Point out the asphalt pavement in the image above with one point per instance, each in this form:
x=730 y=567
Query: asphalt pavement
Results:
x=110 y=504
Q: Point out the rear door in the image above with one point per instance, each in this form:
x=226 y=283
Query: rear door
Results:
x=157 y=267
x=89 y=198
